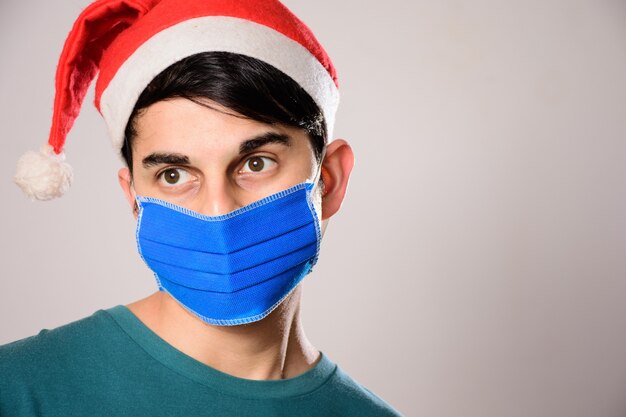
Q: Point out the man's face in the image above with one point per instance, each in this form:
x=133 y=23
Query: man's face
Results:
x=212 y=161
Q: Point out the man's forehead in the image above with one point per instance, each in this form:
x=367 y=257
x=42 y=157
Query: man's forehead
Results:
x=180 y=119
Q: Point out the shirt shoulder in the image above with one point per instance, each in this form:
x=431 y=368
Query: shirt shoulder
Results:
x=37 y=368
x=351 y=398
x=58 y=344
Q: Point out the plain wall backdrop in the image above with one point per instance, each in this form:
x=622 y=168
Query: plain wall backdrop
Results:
x=478 y=265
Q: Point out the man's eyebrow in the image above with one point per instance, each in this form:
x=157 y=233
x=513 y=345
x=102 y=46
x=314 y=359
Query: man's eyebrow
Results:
x=159 y=158
x=263 y=139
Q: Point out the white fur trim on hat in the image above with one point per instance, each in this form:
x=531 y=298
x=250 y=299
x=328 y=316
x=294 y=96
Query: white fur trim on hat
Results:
x=214 y=33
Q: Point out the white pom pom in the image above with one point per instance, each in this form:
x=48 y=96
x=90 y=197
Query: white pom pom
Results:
x=43 y=175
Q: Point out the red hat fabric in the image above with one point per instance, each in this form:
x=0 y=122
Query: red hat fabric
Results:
x=129 y=42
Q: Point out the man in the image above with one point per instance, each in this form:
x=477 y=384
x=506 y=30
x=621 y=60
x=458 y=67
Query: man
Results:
x=232 y=181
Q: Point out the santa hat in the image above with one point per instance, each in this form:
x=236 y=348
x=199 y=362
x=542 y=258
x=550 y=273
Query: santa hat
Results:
x=129 y=42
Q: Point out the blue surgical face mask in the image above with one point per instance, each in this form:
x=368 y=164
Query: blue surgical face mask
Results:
x=234 y=268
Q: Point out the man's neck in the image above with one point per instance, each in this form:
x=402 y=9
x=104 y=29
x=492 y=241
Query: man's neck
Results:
x=273 y=348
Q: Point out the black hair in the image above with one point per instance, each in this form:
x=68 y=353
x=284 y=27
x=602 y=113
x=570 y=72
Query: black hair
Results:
x=243 y=84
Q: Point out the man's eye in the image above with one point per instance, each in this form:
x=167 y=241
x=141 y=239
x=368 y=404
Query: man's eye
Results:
x=258 y=164
x=174 y=176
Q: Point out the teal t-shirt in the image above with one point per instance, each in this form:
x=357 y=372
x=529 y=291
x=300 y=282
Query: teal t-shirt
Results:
x=111 y=364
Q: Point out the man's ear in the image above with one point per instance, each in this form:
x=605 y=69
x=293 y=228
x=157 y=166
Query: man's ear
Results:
x=336 y=169
x=126 y=182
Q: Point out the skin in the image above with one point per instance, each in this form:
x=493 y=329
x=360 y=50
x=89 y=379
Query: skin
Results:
x=215 y=180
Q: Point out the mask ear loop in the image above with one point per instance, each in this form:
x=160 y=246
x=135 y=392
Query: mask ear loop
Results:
x=318 y=173
x=316 y=208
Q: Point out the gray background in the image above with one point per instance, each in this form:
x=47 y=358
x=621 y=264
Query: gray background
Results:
x=478 y=265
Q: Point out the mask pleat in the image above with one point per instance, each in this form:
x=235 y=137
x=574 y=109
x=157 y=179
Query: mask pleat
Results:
x=194 y=277
x=250 y=304
x=233 y=234
x=237 y=261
